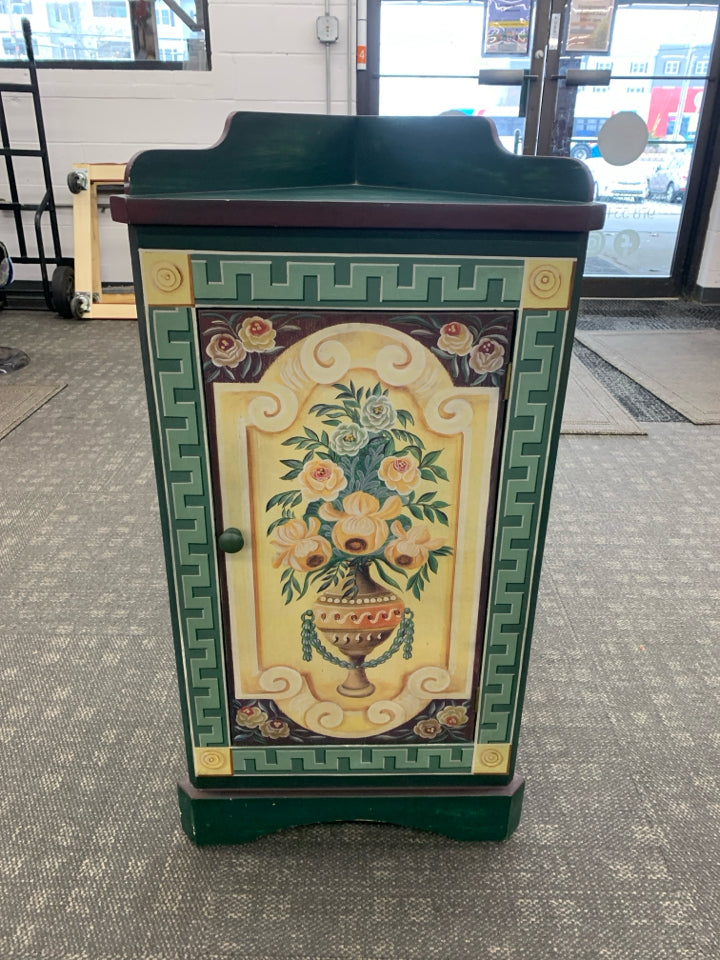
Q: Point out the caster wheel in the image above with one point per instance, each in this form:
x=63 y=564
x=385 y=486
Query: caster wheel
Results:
x=77 y=181
x=80 y=306
x=62 y=290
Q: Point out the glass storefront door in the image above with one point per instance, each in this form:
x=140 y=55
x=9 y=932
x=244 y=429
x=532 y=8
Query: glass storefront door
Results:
x=431 y=53
x=554 y=98
x=658 y=61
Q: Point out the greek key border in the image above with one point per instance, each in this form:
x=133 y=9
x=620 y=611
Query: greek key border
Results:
x=337 y=281
x=280 y=280
x=185 y=456
x=343 y=760
x=526 y=458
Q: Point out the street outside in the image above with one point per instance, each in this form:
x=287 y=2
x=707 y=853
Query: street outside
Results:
x=638 y=239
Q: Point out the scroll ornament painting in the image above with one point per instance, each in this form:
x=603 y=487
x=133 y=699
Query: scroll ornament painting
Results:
x=358 y=454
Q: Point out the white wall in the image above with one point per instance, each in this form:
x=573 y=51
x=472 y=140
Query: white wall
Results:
x=709 y=275
x=265 y=56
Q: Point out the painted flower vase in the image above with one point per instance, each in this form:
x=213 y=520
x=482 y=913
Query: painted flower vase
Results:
x=356 y=623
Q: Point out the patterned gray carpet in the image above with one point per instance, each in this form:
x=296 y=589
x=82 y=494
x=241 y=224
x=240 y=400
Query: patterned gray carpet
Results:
x=18 y=401
x=617 y=853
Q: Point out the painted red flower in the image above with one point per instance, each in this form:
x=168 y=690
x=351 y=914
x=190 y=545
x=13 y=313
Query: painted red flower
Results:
x=257 y=334
x=455 y=338
x=250 y=717
x=427 y=729
x=486 y=356
x=225 y=350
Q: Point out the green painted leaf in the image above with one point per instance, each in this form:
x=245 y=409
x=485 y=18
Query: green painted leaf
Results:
x=278 y=498
x=405 y=417
x=409 y=438
x=277 y=523
x=377 y=563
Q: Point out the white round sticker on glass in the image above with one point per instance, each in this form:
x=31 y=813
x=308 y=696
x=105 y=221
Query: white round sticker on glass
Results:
x=622 y=138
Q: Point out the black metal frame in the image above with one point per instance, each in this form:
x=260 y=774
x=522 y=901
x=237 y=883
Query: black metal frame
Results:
x=47 y=203
x=539 y=122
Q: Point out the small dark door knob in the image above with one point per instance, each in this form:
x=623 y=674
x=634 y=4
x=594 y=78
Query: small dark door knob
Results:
x=231 y=540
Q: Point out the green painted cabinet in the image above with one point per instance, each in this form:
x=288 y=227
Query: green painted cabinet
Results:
x=356 y=337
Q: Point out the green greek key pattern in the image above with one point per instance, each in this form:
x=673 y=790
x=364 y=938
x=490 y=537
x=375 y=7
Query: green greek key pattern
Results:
x=525 y=463
x=356 y=281
x=189 y=520
x=344 y=760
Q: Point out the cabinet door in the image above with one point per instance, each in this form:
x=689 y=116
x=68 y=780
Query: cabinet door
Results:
x=356 y=452
x=369 y=439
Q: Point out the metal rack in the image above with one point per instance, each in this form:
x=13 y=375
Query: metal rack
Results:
x=58 y=289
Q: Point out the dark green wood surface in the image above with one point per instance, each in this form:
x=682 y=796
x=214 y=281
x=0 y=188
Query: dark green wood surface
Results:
x=431 y=155
x=236 y=816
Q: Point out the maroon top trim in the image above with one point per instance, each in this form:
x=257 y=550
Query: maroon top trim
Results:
x=215 y=212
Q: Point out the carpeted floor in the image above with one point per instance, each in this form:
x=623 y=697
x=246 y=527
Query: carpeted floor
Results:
x=617 y=853
x=19 y=400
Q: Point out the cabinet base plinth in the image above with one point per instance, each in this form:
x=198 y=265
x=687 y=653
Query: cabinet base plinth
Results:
x=237 y=816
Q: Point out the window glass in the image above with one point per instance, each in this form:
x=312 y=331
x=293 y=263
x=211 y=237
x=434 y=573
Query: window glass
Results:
x=167 y=31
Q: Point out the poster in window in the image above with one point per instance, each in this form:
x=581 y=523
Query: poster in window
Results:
x=590 y=26
x=507 y=27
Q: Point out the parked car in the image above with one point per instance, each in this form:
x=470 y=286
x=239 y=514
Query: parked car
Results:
x=668 y=179
x=629 y=182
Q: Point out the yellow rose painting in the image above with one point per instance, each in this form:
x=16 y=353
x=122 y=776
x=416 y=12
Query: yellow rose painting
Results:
x=321 y=479
x=362 y=468
x=400 y=473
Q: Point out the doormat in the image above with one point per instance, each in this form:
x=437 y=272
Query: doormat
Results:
x=678 y=366
x=591 y=408
x=18 y=401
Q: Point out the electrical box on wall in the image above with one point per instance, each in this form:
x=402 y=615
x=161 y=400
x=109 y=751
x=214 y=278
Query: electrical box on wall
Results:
x=328 y=29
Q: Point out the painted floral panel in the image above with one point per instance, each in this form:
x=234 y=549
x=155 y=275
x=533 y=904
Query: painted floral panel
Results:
x=355 y=451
